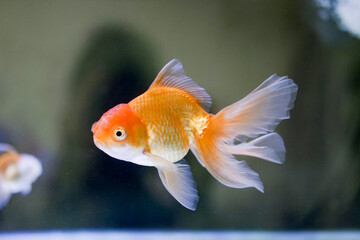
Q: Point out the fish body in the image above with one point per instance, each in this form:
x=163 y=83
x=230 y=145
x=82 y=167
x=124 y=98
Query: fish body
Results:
x=17 y=172
x=159 y=127
x=172 y=118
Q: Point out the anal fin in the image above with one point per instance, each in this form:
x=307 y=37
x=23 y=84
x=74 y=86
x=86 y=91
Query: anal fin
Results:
x=177 y=179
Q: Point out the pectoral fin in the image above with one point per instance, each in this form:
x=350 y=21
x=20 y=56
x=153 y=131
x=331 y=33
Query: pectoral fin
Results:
x=177 y=179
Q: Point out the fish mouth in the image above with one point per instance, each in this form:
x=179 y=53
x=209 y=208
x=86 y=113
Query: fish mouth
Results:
x=95 y=127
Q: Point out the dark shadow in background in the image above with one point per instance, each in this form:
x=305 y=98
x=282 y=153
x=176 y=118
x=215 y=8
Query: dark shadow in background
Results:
x=320 y=114
x=353 y=214
x=92 y=189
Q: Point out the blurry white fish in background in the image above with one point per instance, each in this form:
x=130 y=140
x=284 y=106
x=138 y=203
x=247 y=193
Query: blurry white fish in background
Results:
x=17 y=172
x=345 y=12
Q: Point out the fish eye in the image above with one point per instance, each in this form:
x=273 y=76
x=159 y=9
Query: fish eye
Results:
x=120 y=133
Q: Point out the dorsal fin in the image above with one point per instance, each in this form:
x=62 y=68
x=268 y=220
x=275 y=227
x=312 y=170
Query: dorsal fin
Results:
x=173 y=75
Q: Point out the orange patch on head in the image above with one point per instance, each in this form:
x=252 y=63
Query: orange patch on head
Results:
x=120 y=117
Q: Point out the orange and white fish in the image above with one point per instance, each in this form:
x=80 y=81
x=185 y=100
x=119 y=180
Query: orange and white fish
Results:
x=17 y=172
x=159 y=127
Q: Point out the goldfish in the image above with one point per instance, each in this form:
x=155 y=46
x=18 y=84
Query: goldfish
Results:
x=160 y=126
x=17 y=172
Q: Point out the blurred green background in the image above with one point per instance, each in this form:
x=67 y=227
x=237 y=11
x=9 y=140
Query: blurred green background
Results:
x=64 y=63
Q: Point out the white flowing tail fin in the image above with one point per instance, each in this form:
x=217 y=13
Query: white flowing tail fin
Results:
x=269 y=147
x=256 y=114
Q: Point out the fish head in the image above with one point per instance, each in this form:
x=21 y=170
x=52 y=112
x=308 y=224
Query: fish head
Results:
x=120 y=133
